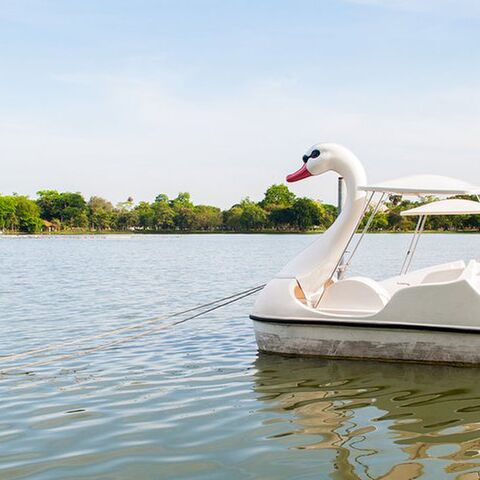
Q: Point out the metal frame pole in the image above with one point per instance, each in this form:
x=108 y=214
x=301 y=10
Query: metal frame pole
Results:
x=422 y=226
x=367 y=204
x=411 y=244
x=339 y=211
x=364 y=231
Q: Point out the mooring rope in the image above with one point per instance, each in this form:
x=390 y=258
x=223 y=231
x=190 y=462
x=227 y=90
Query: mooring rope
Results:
x=15 y=356
x=214 y=306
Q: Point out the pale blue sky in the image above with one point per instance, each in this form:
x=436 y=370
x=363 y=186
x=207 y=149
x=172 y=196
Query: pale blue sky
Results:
x=221 y=98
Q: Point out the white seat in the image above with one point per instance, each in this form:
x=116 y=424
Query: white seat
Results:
x=443 y=276
x=452 y=274
x=355 y=294
x=425 y=275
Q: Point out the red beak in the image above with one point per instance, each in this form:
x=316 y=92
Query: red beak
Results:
x=299 y=174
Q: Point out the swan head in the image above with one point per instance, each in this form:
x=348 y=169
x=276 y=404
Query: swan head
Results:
x=318 y=159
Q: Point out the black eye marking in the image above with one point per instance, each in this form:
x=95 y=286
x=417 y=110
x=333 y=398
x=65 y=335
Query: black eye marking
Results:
x=314 y=154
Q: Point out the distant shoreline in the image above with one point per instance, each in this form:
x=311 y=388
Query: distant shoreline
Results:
x=279 y=212
x=200 y=232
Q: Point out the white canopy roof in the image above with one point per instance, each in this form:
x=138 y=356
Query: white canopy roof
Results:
x=424 y=185
x=445 y=207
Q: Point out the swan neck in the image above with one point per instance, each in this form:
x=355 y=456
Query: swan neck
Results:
x=315 y=265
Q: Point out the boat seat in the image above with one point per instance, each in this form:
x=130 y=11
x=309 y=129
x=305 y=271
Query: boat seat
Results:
x=446 y=272
x=452 y=274
x=360 y=294
x=443 y=276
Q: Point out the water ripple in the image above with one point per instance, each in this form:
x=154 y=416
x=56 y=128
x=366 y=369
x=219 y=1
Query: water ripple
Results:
x=197 y=401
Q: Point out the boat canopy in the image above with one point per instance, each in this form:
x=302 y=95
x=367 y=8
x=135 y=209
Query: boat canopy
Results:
x=445 y=207
x=418 y=185
x=423 y=185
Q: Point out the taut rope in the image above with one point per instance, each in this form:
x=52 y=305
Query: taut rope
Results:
x=216 y=304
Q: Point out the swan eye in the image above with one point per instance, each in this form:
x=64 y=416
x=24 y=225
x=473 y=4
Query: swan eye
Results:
x=314 y=154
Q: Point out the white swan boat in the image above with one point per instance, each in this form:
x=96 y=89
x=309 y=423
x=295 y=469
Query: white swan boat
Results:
x=428 y=315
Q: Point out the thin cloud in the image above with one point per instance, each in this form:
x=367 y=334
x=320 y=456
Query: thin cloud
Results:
x=460 y=8
x=144 y=138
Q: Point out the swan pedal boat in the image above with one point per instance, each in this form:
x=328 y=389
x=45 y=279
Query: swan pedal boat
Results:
x=430 y=315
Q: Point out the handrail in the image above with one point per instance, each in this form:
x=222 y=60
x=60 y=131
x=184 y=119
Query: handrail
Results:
x=364 y=231
x=367 y=204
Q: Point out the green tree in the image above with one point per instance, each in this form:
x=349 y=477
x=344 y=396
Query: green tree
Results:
x=101 y=213
x=329 y=215
x=395 y=222
x=380 y=221
x=253 y=217
x=472 y=223
x=8 y=219
x=163 y=214
x=277 y=196
x=28 y=215
x=231 y=218
x=182 y=200
x=184 y=218
x=126 y=220
x=306 y=213
x=161 y=197
x=68 y=207
x=207 y=217
x=49 y=203
x=145 y=215
x=184 y=215
x=126 y=217
x=281 y=218
x=73 y=209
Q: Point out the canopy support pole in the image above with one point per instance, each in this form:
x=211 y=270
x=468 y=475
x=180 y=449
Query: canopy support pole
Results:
x=339 y=211
x=419 y=221
x=422 y=226
x=343 y=268
x=413 y=244
x=367 y=204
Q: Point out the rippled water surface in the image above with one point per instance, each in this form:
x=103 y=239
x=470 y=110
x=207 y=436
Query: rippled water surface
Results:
x=196 y=401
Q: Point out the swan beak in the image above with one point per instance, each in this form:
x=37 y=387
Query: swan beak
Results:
x=299 y=174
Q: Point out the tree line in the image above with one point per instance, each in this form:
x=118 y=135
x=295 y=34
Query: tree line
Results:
x=279 y=210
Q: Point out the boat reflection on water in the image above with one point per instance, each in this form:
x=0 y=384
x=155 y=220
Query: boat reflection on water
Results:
x=381 y=420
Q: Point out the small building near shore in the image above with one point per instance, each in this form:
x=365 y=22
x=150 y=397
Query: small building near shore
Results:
x=49 y=226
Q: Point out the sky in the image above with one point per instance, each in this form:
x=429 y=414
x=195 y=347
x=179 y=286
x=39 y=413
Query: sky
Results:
x=221 y=98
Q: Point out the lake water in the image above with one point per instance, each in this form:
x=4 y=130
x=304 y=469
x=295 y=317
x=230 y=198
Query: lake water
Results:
x=197 y=401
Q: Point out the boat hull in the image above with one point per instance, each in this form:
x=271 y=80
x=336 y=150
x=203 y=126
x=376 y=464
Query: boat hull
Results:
x=375 y=342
